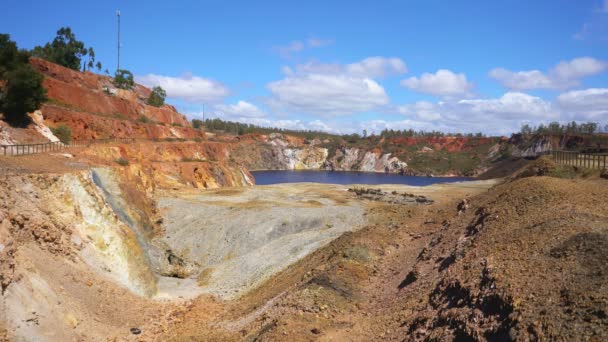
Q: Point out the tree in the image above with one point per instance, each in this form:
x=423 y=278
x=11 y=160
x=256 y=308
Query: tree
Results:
x=123 y=79
x=98 y=66
x=157 y=97
x=364 y=133
x=196 y=123
x=21 y=89
x=63 y=133
x=64 y=50
x=91 y=62
x=526 y=130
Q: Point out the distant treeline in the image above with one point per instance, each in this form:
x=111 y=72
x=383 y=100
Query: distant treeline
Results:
x=410 y=133
x=555 y=128
x=239 y=128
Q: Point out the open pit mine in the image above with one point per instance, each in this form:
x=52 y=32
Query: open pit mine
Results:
x=166 y=237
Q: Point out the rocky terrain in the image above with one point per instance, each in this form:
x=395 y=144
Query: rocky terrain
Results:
x=166 y=238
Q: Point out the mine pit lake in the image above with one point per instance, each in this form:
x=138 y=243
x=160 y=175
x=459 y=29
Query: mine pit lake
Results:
x=346 y=177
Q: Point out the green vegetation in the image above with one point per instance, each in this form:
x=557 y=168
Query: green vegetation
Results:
x=555 y=128
x=123 y=79
x=64 y=50
x=122 y=161
x=410 y=133
x=143 y=119
x=63 y=133
x=157 y=97
x=239 y=128
x=21 y=88
x=196 y=123
x=190 y=160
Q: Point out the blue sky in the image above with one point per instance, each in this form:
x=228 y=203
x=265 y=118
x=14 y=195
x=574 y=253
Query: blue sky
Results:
x=345 y=66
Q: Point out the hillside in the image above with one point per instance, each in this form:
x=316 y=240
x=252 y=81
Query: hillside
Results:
x=93 y=108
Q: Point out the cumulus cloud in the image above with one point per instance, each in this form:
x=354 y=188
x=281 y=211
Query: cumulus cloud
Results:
x=334 y=89
x=442 y=83
x=376 y=67
x=589 y=104
x=512 y=105
x=502 y=115
x=422 y=110
x=499 y=115
x=241 y=109
x=566 y=74
x=371 y=67
x=327 y=94
x=187 y=87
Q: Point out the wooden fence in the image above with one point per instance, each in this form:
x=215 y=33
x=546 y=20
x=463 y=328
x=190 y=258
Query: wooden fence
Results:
x=23 y=149
x=586 y=160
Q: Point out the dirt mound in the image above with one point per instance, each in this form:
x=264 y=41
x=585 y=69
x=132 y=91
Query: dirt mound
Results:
x=524 y=261
x=543 y=166
x=528 y=264
x=504 y=168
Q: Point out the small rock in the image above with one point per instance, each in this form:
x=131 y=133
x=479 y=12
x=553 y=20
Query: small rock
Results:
x=315 y=331
x=135 y=331
x=71 y=320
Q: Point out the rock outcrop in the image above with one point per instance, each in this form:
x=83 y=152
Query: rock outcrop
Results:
x=93 y=108
x=283 y=152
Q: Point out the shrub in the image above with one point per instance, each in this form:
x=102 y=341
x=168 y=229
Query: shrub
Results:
x=157 y=97
x=63 y=133
x=196 y=123
x=122 y=161
x=123 y=79
x=144 y=119
x=21 y=91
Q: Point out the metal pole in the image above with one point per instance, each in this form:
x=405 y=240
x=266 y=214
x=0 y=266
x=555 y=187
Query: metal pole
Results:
x=118 y=60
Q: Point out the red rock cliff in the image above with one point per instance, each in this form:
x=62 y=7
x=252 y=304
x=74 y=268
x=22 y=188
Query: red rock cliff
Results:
x=78 y=99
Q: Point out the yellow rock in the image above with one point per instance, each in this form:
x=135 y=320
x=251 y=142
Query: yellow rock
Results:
x=71 y=321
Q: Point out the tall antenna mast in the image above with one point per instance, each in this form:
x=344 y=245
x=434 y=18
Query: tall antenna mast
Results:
x=118 y=63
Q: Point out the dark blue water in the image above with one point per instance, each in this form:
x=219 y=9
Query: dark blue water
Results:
x=344 y=177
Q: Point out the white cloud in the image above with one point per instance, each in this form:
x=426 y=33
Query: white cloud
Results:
x=521 y=80
x=188 y=87
x=578 y=68
x=423 y=110
x=327 y=95
x=375 y=67
x=241 y=109
x=371 y=67
x=511 y=106
x=499 y=116
x=565 y=74
x=502 y=115
x=295 y=46
x=589 y=104
x=442 y=83
x=328 y=89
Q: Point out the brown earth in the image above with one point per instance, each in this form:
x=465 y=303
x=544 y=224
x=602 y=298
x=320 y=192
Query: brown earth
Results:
x=523 y=260
x=78 y=100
